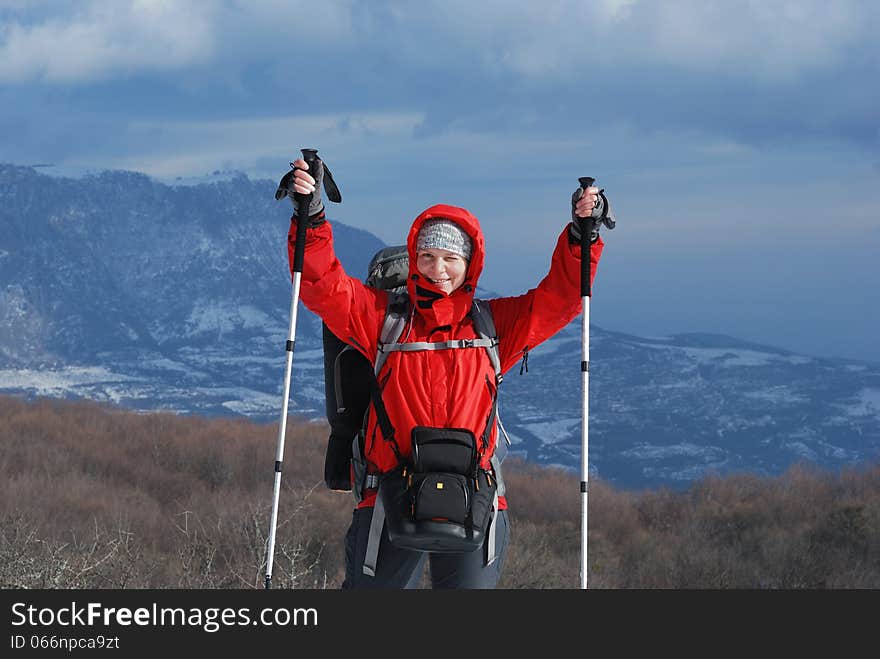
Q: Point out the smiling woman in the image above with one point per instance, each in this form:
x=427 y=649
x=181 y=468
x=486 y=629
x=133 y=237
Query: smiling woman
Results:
x=424 y=464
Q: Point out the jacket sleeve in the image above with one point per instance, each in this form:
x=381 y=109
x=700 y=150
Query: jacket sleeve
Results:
x=525 y=321
x=350 y=309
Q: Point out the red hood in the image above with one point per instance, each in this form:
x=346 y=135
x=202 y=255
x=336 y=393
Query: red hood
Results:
x=438 y=307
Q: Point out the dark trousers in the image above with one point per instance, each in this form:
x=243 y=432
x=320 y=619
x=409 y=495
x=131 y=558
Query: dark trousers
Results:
x=402 y=568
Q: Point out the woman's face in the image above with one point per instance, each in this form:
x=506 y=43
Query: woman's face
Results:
x=445 y=269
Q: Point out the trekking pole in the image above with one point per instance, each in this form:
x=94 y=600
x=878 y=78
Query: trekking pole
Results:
x=586 y=231
x=302 y=221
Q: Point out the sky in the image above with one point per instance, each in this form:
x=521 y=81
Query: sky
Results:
x=736 y=140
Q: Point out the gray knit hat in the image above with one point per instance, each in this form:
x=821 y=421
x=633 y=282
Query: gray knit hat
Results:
x=440 y=233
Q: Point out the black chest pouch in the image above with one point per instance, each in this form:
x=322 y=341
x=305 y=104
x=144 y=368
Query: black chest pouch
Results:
x=442 y=501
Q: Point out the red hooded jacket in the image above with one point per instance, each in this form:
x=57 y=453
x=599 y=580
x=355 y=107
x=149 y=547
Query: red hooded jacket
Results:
x=442 y=388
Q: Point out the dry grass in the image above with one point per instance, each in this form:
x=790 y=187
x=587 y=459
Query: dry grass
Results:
x=96 y=497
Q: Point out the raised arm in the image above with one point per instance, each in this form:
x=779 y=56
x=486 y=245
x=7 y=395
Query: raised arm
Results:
x=351 y=310
x=525 y=321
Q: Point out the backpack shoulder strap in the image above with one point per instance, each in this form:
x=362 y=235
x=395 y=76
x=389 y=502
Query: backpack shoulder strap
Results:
x=396 y=314
x=484 y=325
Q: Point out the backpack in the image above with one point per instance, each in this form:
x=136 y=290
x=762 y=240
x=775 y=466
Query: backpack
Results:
x=348 y=374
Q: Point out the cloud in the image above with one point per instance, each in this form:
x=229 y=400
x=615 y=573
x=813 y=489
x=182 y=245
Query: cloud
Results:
x=549 y=41
x=766 y=41
x=105 y=40
x=723 y=73
x=179 y=148
x=571 y=39
x=79 y=42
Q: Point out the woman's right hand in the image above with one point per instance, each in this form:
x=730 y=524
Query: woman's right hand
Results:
x=309 y=183
x=303 y=182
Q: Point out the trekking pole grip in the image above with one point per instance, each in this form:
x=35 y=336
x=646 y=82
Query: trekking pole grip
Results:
x=587 y=224
x=302 y=213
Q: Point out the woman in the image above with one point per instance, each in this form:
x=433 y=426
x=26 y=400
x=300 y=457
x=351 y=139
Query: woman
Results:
x=442 y=388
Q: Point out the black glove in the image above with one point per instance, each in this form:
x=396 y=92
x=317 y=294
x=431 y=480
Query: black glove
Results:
x=317 y=170
x=601 y=215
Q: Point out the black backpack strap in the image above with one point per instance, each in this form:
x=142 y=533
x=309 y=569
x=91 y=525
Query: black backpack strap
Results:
x=382 y=417
x=490 y=421
x=377 y=521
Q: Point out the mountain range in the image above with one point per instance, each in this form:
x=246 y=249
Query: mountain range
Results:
x=119 y=288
